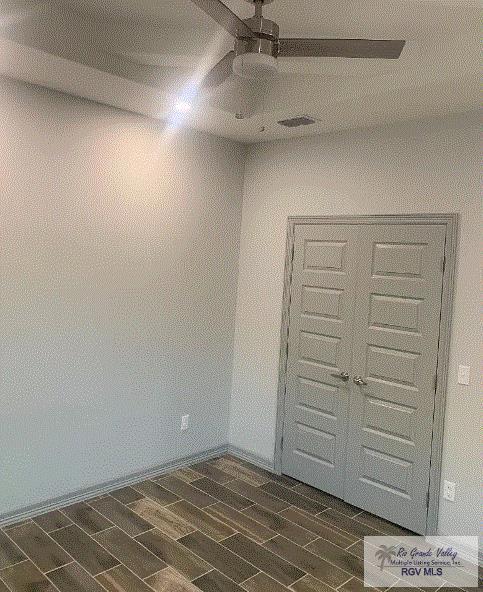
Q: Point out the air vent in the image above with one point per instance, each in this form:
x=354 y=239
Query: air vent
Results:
x=297 y=121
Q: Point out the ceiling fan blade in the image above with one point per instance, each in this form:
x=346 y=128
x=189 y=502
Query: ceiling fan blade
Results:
x=225 y=17
x=218 y=74
x=341 y=48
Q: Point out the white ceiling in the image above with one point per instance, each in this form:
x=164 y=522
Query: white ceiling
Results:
x=141 y=55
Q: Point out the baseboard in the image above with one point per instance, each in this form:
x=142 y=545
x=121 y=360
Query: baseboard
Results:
x=106 y=487
x=470 y=553
x=261 y=462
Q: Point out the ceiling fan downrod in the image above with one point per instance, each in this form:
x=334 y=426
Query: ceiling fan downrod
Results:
x=258 y=8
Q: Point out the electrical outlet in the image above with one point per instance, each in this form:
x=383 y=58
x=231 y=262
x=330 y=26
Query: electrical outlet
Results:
x=449 y=490
x=185 y=422
x=463 y=374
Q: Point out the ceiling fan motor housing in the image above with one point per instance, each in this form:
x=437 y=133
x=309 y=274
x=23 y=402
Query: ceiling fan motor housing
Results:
x=257 y=57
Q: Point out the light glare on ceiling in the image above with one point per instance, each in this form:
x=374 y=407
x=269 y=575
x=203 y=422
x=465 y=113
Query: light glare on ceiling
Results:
x=182 y=106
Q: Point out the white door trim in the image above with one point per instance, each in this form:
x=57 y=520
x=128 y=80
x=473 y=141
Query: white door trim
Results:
x=451 y=223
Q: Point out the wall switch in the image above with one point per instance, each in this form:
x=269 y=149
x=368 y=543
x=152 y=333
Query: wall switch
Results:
x=185 y=422
x=449 y=490
x=463 y=374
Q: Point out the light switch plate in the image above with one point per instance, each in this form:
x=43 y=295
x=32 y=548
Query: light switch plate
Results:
x=463 y=374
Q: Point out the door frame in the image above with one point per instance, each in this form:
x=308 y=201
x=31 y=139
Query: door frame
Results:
x=451 y=222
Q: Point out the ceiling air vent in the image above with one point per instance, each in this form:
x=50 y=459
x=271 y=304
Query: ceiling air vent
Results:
x=297 y=121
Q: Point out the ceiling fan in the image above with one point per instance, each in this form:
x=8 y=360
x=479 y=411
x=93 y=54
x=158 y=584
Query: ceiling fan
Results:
x=258 y=46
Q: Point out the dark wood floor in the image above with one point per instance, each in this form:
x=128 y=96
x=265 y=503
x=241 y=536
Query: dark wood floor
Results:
x=218 y=526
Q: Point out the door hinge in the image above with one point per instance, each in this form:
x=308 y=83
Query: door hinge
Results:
x=427 y=499
x=443 y=264
x=281 y=444
x=435 y=382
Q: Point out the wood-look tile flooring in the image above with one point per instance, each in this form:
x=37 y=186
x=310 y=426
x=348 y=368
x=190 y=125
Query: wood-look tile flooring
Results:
x=219 y=526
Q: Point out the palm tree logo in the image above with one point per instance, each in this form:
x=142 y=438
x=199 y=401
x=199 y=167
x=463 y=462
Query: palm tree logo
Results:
x=384 y=554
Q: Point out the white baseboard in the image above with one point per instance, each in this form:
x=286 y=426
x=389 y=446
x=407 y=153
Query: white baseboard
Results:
x=106 y=487
x=259 y=461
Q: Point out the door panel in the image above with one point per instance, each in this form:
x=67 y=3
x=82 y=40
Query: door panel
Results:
x=320 y=338
x=395 y=346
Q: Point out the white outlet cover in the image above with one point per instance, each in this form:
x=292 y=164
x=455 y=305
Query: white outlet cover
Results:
x=449 y=490
x=463 y=374
x=185 y=422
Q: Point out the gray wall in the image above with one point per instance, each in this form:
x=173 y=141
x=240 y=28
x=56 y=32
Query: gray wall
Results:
x=422 y=166
x=118 y=263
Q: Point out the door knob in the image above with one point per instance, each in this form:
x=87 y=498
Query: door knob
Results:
x=342 y=376
x=359 y=381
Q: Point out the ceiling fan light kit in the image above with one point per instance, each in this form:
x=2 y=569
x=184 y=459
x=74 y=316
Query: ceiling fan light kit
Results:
x=255 y=65
x=258 y=45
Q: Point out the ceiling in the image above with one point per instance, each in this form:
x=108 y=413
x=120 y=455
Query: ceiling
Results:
x=144 y=55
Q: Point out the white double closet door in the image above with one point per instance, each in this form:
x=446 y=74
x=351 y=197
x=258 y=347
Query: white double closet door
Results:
x=365 y=303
